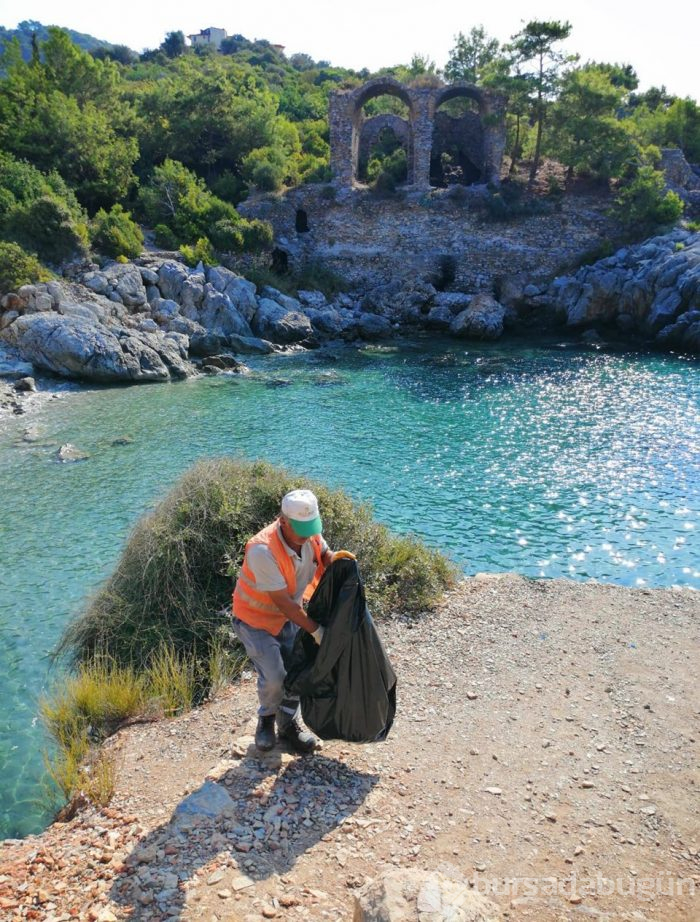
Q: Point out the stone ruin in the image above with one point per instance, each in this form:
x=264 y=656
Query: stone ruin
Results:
x=475 y=140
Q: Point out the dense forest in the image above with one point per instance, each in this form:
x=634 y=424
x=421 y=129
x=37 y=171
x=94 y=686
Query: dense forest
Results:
x=96 y=140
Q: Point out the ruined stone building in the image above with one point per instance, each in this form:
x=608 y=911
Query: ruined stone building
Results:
x=450 y=134
x=474 y=140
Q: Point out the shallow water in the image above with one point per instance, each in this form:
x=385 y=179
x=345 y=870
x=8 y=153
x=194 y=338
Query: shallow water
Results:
x=545 y=460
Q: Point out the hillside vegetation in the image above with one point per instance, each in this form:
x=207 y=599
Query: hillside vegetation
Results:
x=95 y=138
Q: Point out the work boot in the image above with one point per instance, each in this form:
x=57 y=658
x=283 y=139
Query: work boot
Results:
x=265 y=733
x=291 y=729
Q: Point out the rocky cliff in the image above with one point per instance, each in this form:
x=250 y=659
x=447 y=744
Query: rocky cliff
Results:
x=152 y=320
x=651 y=290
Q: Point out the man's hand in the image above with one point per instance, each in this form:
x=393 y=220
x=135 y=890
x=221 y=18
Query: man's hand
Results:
x=291 y=610
x=343 y=555
x=318 y=634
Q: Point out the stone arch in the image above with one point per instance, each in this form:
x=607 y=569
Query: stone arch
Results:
x=458 y=141
x=381 y=86
x=370 y=132
x=486 y=131
x=461 y=89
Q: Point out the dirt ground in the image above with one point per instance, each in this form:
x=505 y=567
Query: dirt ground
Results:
x=545 y=751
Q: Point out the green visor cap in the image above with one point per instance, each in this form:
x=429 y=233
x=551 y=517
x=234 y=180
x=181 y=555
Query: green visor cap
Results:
x=307 y=529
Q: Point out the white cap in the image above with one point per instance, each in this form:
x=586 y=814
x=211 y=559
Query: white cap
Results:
x=301 y=508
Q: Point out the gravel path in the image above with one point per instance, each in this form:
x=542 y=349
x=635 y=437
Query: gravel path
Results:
x=545 y=751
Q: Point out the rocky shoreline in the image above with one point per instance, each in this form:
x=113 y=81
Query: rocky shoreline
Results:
x=157 y=320
x=543 y=765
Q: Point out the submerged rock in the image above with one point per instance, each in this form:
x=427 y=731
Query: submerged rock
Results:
x=67 y=454
x=226 y=362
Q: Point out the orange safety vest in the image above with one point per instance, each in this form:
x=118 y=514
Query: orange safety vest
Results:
x=254 y=606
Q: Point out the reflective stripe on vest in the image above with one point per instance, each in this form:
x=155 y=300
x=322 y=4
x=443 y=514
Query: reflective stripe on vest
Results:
x=253 y=605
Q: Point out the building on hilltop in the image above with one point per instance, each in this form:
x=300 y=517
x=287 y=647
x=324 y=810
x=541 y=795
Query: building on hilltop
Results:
x=210 y=37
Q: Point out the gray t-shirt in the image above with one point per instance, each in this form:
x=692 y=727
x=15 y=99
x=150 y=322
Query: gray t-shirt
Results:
x=268 y=576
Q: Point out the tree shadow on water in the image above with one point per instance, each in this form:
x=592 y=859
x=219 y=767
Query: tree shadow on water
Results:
x=251 y=819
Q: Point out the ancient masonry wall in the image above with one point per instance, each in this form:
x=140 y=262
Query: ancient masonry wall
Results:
x=485 y=136
x=370 y=241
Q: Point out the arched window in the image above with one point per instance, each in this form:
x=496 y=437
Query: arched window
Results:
x=302 y=222
x=280 y=261
x=384 y=143
x=382 y=132
x=457 y=155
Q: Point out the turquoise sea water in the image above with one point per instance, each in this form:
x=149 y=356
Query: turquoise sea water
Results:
x=541 y=459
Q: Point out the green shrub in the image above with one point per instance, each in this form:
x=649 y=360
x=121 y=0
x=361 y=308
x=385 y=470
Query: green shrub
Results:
x=227 y=235
x=314 y=169
x=267 y=177
x=509 y=202
x=393 y=164
x=458 y=194
x=19 y=268
x=644 y=204
x=601 y=251
x=177 y=198
x=184 y=211
x=265 y=168
x=21 y=183
x=257 y=235
x=202 y=252
x=115 y=234
x=174 y=580
x=47 y=227
x=316 y=277
x=693 y=226
x=229 y=187
x=384 y=183
x=165 y=237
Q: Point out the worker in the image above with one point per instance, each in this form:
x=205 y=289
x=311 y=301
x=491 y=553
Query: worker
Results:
x=282 y=566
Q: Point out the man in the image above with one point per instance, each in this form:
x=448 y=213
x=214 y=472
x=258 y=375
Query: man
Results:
x=281 y=568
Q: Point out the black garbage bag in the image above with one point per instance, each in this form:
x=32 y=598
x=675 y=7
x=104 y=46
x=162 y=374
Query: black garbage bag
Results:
x=346 y=686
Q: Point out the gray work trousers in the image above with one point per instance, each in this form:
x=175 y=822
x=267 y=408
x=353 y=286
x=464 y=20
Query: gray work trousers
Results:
x=265 y=652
